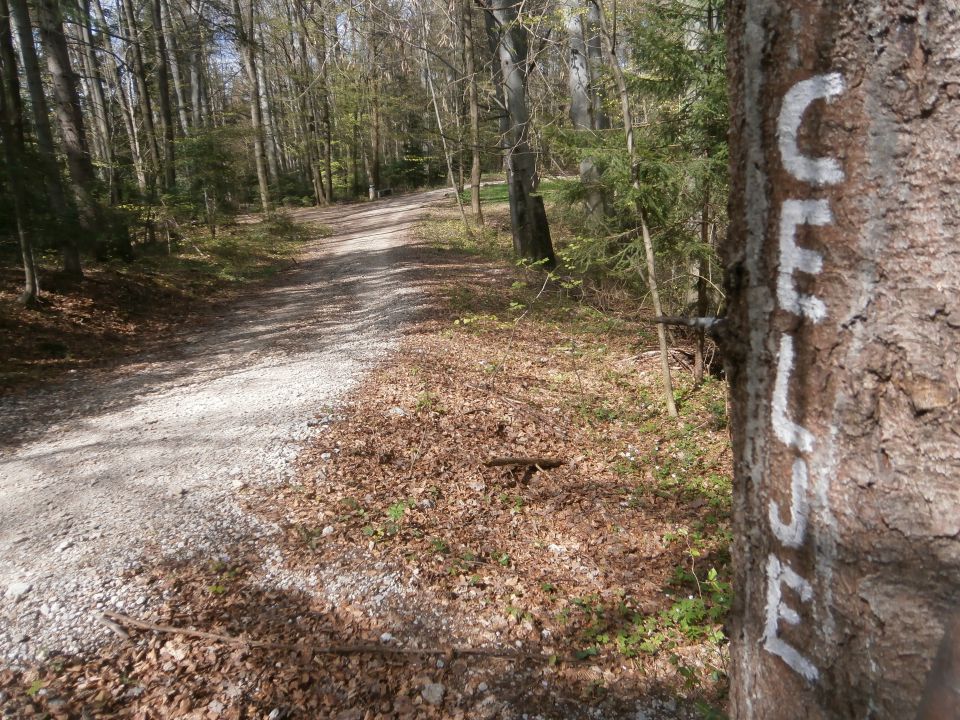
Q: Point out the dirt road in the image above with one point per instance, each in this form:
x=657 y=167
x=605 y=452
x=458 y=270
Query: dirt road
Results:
x=95 y=472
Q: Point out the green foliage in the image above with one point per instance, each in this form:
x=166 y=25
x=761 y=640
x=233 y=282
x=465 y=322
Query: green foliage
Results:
x=677 y=83
x=209 y=170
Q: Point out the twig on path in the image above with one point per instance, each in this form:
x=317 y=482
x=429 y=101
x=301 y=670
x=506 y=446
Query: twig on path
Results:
x=541 y=463
x=111 y=625
x=320 y=649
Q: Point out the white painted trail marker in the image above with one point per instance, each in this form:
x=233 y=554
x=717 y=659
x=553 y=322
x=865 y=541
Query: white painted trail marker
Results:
x=816 y=171
x=793 y=259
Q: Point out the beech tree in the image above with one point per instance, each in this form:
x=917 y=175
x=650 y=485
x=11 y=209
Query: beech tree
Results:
x=509 y=48
x=842 y=344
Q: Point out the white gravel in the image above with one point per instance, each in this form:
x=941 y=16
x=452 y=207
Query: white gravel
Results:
x=100 y=474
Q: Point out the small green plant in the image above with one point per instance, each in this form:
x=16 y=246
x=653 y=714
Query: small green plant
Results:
x=439 y=546
x=426 y=401
x=397 y=511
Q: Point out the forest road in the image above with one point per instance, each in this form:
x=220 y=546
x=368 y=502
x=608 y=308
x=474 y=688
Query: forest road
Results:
x=146 y=460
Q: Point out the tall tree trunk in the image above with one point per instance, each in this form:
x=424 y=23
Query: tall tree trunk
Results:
x=531 y=232
x=373 y=174
x=143 y=93
x=627 y=112
x=326 y=117
x=307 y=107
x=581 y=103
x=245 y=28
x=196 y=77
x=591 y=31
x=11 y=132
x=582 y=108
x=266 y=113
x=173 y=57
x=699 y=360
x=126 y=104
x=98 y=99
x=163 y=94
x=69 y=115
x=842 y=344
x=45 y=145
x=436 y=110
x=473 y=102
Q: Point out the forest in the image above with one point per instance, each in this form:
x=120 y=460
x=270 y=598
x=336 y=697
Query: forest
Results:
x=128 y=124
x=478 y=358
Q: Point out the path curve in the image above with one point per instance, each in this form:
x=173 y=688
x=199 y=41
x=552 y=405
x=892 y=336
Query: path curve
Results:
x=151 y=456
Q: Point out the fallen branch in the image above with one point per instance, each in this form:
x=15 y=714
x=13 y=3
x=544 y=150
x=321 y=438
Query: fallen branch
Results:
x=111 y=619
x=541 y=463
x=112 y=626
x=710 y=324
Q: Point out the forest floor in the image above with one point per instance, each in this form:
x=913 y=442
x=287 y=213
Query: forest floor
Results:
x=122 y=308
x=377 y=566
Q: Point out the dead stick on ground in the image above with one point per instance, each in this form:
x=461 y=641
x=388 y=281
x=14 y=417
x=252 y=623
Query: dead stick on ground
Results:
x=319 y=649
x=542 y=463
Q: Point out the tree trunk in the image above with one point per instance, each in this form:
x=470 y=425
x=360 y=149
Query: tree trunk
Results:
x=45 y=145
x=699 y=361
x=269 y=127
x=11 y=132
x=163 y=93
x=625 y=109
x=581 y=103
x=319 y=45
x=473 y=102
x=326 y=119
x=98 y=99
x=126 y=104
x=601 y=121
x=67 y=109
x=143 y=93
x=457 y=190
x=582 y=108
x=174 y=61
x=842 y=344
x=373 y=174
x=248 y=51
x=531 y=235
x=196 y=68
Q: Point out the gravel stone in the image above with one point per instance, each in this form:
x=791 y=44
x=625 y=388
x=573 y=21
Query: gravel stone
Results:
x=433 y=693
x=17 y=590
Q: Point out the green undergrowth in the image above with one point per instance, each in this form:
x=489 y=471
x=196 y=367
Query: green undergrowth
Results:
x=238 y=254
x=599 y=367
x=497 y=192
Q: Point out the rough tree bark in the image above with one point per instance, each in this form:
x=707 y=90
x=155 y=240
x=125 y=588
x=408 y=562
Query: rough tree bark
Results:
x=173 y=57
x=591 y=26
x=843 y=343
x=93 y=85
x=11 y=132
x=44 y=136
x=163 y=94
x=69 y=115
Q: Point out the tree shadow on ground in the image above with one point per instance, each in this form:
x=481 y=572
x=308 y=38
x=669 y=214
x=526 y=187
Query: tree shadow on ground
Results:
x=286 y=654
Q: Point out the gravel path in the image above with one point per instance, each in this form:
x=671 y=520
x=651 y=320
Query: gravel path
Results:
x=151 y=456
